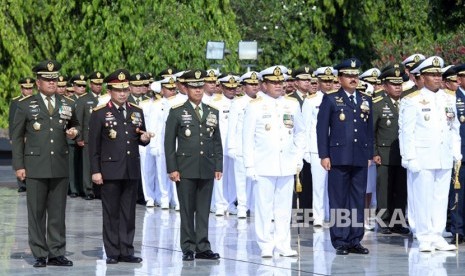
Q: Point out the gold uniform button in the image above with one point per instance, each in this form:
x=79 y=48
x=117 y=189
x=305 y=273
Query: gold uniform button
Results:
x=200 y=125
x=355 y=140
x=128 y=152
x=201 y=152
x=51 y=141
x=128 y=142
x=200 y=134
x=51 y=129
x=126 y=132
x=51 y=118
x=125 y=123
x=52 y=153
x=355 y=120
x=355 y=130
x=201 y=143
x=109 y=158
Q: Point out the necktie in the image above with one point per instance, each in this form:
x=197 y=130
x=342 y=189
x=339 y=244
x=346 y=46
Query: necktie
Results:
x=197 y=111
x=396 y=105
x=49 y=105
x=121 y=110
x=351 y=98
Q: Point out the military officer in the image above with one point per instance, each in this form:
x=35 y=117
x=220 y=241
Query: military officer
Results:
x=234 y=142
x=84 y=106
x=181 y=88
x=136 y=86
x=116 y=130
x=27 y=86
x=391 y=188
x=410 y=63
x=61 y=85
x=449 y=78
x=430 y=137
x=345 y=145
x=458 y=214
x=371 y=76
x=40 y=155
x=310 y=111
x=289 y=84
x=210 y=89
x=194 y=163
x=273 y=147
x=302 y=77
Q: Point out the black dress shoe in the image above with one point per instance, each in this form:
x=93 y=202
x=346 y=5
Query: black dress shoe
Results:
x=454 y=239
x=400 y=230
x=358 y=249
x=188 y=256
x=40 y=262
x=73 y=195
x=130 y=259
x=208 y=255
x=90 y=197
x=385 y=230
x=112 y=260
x=59 y=261
x=21 y=189
x=341 y=250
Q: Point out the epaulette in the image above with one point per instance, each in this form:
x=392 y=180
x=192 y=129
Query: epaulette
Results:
x=83 y=95
x=66 y=97
x=331 y=92
x=25 y=98
x=291 y=98
x=212 y=106
x=217 y=97
x=377 y=99
x=413 y=94
x=365 y=94
x=17 y=97
x=450 y=92
x=135 y=105
x=257 y=99
x=177 y=105
x=311 y=96
x=99 y=107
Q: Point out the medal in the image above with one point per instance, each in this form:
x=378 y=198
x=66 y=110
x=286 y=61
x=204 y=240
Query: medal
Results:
x=187 y=132
x=462 y=119
x=267 y=127
x=36 y=126
x=342 y=116
x=362 y=116
x=426 y=117
x=388 y=122
x=112 y=134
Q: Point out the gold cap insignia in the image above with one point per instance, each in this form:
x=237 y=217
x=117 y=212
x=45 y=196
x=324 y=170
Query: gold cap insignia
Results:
x=60 y=78
x=50 y=66
x=353 y=63
x=307 y=69
x=374 y=73
x=416 y=58
x=397 y=72
x=138 y=76
x=98 y=75
x=231 y=80
x=211 y=73
x=436 y=62
x=253 y=76
x=277 y=71
x=81 y=77
x=289 y=71
x=198 y=74
x=170 y=71
x=328 y=71
x=28 y=80
x=121 y=76
x=171 y=81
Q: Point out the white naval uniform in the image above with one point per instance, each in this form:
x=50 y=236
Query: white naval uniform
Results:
x=430 y=138
x=224 y=190
x=166 y=188
x=234 y=146
x=273 y=148
x=320 y=203
x=147 y=161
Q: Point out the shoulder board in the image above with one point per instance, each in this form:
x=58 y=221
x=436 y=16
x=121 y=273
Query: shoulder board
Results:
x=377 y=99
x=83 y=95
x=257 y=99
x=331 y=92
x=135 y=105
x=157 y=100
x=413 y=94
x=450 y=92
x=99 y=107
x=177 y=105
x=291 y=98
x=66 y=97
x=212 y=106
x=27 y=97
x=17 y=97
x=170 y=98
x=311 y=96
x=365 y=94
x=217 y=97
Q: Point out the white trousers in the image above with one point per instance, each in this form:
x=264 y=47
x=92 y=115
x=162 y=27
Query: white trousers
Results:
x=166 y=187
x=148 y=172
x=320 y=203
x=273 y=199
x=430 y=194
x=221 y=189
x=243 y=185
x=410 y=212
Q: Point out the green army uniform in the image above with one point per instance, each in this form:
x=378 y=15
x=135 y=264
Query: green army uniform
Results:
x=84 y=106
x=27 y=83
x=40 y=149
